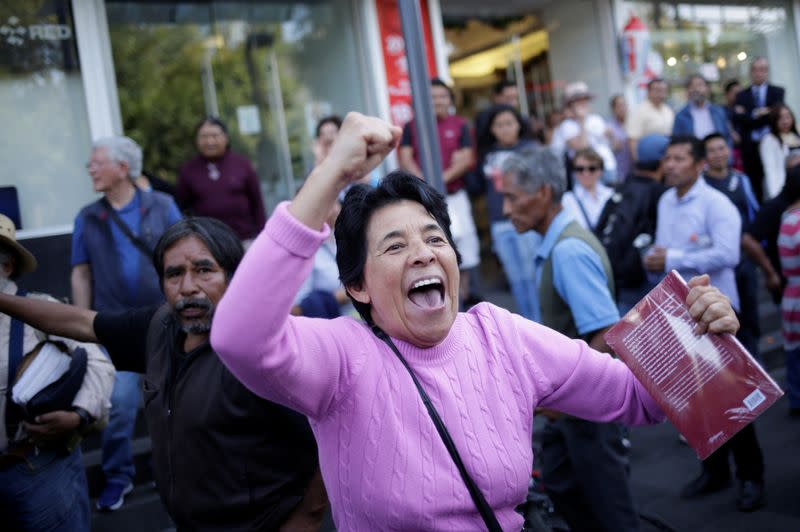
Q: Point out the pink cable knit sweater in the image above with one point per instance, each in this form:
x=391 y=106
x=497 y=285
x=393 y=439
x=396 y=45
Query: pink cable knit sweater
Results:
x=383 y=463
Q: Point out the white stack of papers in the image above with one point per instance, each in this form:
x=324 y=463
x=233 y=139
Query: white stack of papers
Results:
x=48 y=366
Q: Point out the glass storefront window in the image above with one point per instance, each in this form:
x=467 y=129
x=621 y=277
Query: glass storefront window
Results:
x=269 y=69
x=719 y=41
x=45 y=139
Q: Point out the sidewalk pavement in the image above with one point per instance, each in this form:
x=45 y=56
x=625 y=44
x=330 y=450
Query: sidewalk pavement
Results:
x=661 y=465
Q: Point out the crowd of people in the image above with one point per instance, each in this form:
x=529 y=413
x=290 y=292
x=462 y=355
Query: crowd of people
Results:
x=284 y=367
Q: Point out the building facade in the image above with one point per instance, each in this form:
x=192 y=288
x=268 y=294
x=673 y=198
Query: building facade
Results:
x=73 y=71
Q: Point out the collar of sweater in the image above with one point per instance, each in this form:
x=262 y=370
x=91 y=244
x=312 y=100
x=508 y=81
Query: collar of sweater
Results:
x=452 y=344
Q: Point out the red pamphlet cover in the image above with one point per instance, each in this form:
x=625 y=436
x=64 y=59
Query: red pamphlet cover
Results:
x=709 y=386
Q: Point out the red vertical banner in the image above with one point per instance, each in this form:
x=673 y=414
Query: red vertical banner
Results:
x=394 y=57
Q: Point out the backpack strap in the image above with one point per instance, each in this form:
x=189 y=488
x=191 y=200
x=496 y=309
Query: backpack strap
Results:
x=15 y=347
x=120 y=223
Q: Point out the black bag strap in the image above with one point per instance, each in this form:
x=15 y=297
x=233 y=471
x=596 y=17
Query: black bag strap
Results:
x=477 y=497
x=583 y=211
x=140 y=245
x=15 y=347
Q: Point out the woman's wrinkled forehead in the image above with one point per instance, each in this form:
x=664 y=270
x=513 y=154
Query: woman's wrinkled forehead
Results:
x=399 y=218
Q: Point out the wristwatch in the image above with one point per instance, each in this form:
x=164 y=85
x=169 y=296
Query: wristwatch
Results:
x=86 y=418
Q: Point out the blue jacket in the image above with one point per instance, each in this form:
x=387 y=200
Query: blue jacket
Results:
x=109 y=288
x=684 y=123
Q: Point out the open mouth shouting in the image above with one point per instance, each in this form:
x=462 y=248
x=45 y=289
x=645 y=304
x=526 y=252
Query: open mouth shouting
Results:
x=427 y=293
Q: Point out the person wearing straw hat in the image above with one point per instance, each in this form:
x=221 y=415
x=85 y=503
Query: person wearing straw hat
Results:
x=585 y=129
x=42 y=479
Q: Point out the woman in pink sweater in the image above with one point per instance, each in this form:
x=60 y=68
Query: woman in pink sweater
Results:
x=383 y=462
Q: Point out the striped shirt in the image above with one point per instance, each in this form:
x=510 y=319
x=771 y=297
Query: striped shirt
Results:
x=789 y=251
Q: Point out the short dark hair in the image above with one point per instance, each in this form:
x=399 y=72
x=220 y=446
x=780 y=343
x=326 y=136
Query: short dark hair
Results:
x=591 y=155
x=654 y=81
x=214 y=121
x=330 y=119
x=696 y=148
x=715 y=135
x=221 y=241
x=500 y=86
x=614 y=98
x=360 y=203
x=693 y=77
x=731 y=84
x=437 y=82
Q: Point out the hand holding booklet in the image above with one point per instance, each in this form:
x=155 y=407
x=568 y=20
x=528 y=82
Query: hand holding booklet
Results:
x=708 y=385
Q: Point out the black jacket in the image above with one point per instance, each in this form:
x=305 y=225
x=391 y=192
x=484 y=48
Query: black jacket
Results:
x=631 y=211
x=744 y=121
x=223 y=458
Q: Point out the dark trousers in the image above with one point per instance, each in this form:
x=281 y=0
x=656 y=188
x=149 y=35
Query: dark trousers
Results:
x=585 y=473
x=747 y=286
x=746 y=455
x=753 y=167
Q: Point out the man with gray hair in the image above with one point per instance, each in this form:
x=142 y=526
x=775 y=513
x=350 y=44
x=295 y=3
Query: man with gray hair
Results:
x=112 y=244
x=584 y=463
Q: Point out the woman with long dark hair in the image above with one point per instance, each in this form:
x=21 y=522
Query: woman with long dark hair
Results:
x=776 y=147
x=507 y=133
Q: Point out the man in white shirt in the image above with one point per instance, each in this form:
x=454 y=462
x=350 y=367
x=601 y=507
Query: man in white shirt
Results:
x=652 y=116
x=584 y=129
x=698 y=231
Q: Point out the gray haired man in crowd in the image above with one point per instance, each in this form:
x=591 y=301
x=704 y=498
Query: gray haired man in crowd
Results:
x=112 y=242
x=584 y=463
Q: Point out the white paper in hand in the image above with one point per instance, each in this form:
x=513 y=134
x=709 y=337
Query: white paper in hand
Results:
x=48 y=366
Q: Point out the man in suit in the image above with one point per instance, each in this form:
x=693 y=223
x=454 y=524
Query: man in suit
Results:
x=751 y=118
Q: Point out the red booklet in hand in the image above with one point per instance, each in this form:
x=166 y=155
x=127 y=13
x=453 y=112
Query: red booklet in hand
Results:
x=709 y=386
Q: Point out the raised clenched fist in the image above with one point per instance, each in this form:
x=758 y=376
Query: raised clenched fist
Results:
x=361 y=144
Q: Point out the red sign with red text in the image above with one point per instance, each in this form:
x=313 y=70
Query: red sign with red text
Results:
x=394 y=57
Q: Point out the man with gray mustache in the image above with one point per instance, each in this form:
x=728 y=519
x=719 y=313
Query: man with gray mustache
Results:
x=223 y=458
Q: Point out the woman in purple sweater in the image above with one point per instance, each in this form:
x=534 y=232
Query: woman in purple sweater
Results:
x=220 y=183
x=384 y=463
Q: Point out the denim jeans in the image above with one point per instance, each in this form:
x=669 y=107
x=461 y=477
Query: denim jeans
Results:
x=117 y=453
x=49 y=492
x=516 y=253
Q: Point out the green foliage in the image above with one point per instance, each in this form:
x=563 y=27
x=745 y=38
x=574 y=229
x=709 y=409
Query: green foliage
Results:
x=160 y=87
x=160 y=90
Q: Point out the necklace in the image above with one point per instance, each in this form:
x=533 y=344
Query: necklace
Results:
x=213 y=171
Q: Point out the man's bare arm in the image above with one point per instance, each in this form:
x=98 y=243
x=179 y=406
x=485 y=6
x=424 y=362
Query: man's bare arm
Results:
x=756 y=253
x=632 y=146
x=462 y=161
x=405 y=155
x=598 y=343
x=52 y=318
x=81 y=281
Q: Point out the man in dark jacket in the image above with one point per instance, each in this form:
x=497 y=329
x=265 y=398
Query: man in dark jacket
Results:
x=223 y=458
x=631 y=212
x=751 y=118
